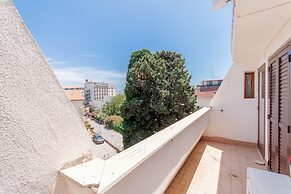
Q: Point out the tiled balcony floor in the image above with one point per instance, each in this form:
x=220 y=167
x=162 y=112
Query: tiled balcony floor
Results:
x=215 y=168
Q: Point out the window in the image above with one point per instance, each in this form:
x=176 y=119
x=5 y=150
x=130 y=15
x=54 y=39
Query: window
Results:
x=249 y=85
x=263 y=84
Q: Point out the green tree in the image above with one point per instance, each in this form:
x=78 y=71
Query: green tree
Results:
x=114 y=106
x=158 y=93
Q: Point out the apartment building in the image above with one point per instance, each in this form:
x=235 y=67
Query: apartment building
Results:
x=73 y=88
x=239 y=144
x=205 y=91
x=111 y=91
x=97 y=91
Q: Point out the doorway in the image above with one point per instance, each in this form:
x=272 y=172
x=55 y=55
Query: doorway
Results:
x=261 y=110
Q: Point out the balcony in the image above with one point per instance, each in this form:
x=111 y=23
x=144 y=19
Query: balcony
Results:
x=175 y=160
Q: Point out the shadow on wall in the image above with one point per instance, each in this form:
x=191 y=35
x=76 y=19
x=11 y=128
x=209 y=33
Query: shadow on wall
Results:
x=64 y=186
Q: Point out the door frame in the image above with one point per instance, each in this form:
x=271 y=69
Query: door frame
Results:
x=262 y=151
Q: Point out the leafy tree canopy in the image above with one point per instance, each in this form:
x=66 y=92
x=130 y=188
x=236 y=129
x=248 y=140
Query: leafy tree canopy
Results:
x=114 y=106
x=158 y=93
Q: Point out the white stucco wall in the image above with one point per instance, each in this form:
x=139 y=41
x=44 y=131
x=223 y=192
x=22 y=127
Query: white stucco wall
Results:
x=203 y=101
x=281 y=37
x=39 y=129
x=66 y=186
x=257 y=36
x=239 y=118
x=232 y=116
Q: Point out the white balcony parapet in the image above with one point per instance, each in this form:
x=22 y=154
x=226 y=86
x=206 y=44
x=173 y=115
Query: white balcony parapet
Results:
x=86 y=175
x=150 y=165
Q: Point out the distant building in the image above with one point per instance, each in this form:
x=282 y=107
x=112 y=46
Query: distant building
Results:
x=98 y=93
x=76 y=96
x=75 y=88
x=111 y=91
x=205 y=91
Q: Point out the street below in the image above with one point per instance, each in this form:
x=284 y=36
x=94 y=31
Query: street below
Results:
x=113 y=141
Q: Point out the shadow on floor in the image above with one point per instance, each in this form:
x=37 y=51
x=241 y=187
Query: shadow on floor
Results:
x=213 y=168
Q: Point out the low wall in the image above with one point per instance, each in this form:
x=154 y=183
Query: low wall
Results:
x=150 y=166
x=147 y=167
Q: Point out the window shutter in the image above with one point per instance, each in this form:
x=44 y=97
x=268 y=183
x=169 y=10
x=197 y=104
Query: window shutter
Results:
x=284 y=117
x=279 y=111
x=273 y=161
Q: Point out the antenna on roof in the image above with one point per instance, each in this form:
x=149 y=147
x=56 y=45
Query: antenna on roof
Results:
x=217 y=4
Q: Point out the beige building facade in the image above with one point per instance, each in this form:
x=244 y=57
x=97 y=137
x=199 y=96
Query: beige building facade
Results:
x=76 y=96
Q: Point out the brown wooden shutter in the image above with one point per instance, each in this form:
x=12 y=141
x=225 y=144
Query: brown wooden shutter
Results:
x=273 y=143
x=279 y=111
x=284 y=117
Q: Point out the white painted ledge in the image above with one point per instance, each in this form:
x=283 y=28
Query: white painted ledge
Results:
x=147 y=167
x=117 y=167
x=86 y=175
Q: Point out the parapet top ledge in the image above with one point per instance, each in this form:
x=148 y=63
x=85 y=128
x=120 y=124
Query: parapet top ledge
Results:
x=86 y=175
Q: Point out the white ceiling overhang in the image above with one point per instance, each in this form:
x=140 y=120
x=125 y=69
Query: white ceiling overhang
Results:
x=255 y=24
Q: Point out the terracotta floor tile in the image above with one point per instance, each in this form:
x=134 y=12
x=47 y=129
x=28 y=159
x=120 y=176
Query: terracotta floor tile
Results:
x=178 y=192
x=215 y=168
x=169 y=190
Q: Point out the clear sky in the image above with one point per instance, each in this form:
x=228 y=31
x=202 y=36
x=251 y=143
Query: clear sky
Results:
x=94 y=39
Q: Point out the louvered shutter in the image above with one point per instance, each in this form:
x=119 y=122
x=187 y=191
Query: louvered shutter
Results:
x=273 y=143
x=284 y=117
x=279 y=111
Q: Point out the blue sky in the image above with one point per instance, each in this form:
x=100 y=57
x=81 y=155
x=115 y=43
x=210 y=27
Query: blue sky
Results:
x=94 y=39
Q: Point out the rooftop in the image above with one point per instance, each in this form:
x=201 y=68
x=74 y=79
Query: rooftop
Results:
x=205 y=93
x=74 y=95
x=73 y=87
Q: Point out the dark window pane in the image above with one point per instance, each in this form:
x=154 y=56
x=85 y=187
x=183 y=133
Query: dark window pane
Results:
x=249 y=85
x=263 y=83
